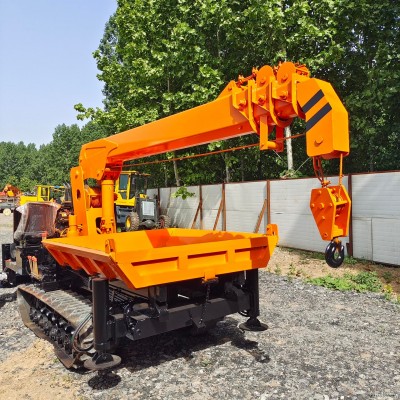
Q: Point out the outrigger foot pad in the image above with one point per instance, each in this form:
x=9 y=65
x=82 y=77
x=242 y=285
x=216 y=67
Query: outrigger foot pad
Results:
x=253 y=325
x=102 y=361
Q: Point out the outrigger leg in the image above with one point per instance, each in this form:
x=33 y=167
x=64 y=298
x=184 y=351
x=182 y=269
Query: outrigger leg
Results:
x=102 y=359
x=253 y=323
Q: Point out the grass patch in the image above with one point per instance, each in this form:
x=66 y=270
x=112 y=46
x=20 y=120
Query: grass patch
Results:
x=312 y=254
x=350 y=261
x=278 y=270
x=361 y=282
x=292 y=270
x=355 y=274
x=387 y=276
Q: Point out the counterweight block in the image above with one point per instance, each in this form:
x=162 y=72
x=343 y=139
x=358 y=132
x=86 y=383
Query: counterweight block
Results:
x=331 y=207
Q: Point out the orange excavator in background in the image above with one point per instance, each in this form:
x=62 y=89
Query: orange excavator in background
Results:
x=9 y=199
x=96 y=285
x=10 y=191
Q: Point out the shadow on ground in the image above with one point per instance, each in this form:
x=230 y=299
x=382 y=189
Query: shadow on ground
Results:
x=150 y=352
x=7 y=298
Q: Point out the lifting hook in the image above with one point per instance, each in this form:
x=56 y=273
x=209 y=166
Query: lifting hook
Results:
x=334 y=253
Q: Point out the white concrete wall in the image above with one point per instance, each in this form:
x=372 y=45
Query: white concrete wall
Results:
x=181 y=212
x=290 y=210
x=212 y=196
x=376 y=212
x=376 y=217
x=244 y=202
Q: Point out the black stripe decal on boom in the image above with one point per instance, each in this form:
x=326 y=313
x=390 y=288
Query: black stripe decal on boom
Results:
x=318 y=116
x=313 y=101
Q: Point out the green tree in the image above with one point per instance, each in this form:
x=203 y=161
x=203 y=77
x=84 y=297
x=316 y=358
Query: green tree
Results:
x=62 y=153
x=153 y=66
x=15 y=162
x=370 y=80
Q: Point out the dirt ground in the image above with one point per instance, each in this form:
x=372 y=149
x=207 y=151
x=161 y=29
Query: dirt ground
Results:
x=30 y=370
x=26 y=374
x=306 y=264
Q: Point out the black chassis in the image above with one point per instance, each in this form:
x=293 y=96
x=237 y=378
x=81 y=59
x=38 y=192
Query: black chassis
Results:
x=167 y=308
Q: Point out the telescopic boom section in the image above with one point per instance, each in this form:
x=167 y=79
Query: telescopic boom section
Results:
x=263 y=103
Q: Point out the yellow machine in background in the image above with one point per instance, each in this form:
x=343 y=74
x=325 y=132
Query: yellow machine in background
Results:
x=40 y=193
x=133 y=207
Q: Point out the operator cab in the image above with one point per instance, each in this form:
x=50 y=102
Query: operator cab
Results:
x=134 y=210
x=132 y=184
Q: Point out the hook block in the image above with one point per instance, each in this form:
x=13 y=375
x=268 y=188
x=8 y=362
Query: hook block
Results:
x=331 y=207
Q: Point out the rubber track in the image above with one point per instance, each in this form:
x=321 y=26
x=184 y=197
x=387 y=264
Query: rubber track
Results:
x=70 y=306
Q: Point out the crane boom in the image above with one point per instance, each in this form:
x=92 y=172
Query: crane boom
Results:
x=257 y=104
x=267 y=100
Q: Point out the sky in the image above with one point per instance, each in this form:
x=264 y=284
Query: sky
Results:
x=46 y=64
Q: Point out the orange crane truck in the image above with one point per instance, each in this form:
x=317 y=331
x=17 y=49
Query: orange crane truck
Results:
x=94 y=285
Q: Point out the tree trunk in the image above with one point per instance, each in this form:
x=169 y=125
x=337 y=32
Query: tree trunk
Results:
x=165 y=174
x=176 y=172
x=289 y=151
x=227 y=172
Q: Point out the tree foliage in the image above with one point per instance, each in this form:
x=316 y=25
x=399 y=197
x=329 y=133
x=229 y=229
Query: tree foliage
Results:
x=17 y=164
x=153 y=66
x=160 y=57
x=25 y=166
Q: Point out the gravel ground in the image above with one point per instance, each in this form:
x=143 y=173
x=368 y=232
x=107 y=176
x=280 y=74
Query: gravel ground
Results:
x=320 y=344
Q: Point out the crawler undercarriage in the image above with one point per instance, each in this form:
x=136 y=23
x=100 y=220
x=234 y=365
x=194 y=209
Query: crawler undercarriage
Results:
x=63 y=312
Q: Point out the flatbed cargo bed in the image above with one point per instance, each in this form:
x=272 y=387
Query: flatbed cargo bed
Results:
x=154 y=257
